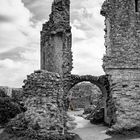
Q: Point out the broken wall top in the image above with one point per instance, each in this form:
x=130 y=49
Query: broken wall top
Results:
x=122 y=20
x=59 y=19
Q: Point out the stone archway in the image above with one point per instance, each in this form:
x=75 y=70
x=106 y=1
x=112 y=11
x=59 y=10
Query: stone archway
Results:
x=84 y=96
x=56 y=53
x=100 y=81
x=96 y=80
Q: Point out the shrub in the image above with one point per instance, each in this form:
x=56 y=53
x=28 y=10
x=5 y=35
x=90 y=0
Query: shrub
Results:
x=9 y=109
x=17 y=94
x=3 y=93
x=89 y=109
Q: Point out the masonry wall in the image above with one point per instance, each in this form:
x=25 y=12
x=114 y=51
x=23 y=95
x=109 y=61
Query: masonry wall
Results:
x=52 y=54
x=43 y=98
x=125 y=89
x=56 y=38
x=122 y=34
x=122 y=59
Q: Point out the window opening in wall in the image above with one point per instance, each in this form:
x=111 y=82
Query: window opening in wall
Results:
x=136 y=6
x=44 y=59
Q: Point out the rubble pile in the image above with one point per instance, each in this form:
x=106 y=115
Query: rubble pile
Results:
x=42 y=94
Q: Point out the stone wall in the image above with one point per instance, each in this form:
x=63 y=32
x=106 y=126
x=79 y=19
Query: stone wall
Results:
x=42 y=95
x=56 y=55
x=83 y=95
x=125 y=89
x=122 y=38
x=122 y=59
x=101 y=82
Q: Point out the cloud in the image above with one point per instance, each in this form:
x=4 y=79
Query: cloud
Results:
x=88 y=56
x=19 y=43
x=78 y=34
x=40 y=8
x=20 y=25
x=15 y=11
x=14 y=54
x=89 y=50
x=14 y=72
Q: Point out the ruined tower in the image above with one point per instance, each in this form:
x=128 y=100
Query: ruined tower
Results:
x=122 y=59
x=56 y=38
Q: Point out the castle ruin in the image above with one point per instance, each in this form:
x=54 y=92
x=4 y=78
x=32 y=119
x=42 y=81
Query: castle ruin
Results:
x=45 y=90
x=122 y=59
x=121 y=62
x=56 y=55
x=56 y=40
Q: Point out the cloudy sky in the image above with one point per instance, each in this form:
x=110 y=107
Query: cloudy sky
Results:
x=20 y=25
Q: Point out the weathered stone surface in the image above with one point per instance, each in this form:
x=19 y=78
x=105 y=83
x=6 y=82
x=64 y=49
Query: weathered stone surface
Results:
x=42 y=94
x=122 y=61
x=89 y=109
x=101 y=82
x=70 y=136
x=97 y=114
x=122 y=34
x=125 y=92
x=83 y=94
x=97 y=117
x=56 y=55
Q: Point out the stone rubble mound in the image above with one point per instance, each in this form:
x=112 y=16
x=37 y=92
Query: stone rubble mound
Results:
x=42 y=95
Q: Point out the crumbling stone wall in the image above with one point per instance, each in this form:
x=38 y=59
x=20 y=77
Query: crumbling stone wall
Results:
x=122 y=61
x=56 y=55
x=83 y=95
x=42 y=95
x=101 y=82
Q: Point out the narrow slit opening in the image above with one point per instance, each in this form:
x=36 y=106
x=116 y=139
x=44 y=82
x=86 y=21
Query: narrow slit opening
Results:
x=43 y=60
x=136 y=6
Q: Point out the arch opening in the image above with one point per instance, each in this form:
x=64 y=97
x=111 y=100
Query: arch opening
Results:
x=102 y=82
x=84 y=95
x=87 y=49
x=97 y=109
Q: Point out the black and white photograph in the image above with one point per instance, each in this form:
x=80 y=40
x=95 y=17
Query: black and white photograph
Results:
x=69 y=69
